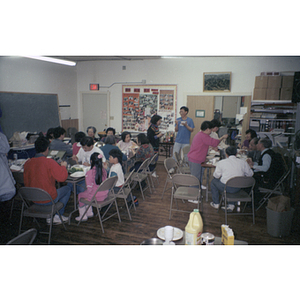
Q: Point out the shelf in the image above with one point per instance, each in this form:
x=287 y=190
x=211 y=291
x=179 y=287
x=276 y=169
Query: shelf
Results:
x=271 y=119
x=274 y=111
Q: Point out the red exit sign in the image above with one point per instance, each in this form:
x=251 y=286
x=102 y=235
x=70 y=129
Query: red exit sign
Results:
x=94 y=86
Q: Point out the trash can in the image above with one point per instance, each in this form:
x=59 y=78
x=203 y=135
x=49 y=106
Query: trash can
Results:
x=279 y=223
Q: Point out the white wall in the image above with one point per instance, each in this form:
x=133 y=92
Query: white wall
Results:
x=26 y=75
x=186 y=72
x=31 y=76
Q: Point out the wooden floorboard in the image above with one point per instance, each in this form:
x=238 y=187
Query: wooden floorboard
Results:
x=149 y=216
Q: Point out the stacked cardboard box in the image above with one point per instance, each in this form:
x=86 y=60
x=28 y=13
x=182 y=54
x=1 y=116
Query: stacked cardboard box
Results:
x=273 y=88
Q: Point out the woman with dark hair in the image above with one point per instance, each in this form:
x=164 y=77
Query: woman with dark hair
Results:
x=91 y=131
x=50 y=134
x=250 y=134
x=78 y=137
x=126 y=143
x=93 y=178
x=153 y=132
x=145 y=151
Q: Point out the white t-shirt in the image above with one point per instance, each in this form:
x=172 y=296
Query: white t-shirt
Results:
x=116 y=170
x=232 y=167
x=85 y=156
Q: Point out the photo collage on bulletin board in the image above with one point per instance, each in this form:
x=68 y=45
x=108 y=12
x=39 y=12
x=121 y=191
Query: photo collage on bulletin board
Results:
x=140 y=103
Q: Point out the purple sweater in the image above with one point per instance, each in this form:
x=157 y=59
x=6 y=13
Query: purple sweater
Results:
x=199 y=147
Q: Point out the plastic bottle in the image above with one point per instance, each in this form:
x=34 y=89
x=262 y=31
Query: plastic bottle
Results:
x=194 y=228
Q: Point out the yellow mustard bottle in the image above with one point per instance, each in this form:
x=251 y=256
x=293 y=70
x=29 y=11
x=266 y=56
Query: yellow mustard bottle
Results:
x=194 y=228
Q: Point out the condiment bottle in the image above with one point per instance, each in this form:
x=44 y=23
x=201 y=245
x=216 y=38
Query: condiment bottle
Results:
x=193 y=229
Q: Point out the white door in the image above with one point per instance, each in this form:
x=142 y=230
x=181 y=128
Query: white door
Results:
x=94 y=111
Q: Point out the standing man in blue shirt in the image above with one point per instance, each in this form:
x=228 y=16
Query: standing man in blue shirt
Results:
x=184 y=126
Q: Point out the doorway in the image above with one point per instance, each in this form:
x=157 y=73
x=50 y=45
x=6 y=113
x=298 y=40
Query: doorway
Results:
x=95 y=110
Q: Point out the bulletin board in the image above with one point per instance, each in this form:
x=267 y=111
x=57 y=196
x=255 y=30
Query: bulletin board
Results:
x=141 y=102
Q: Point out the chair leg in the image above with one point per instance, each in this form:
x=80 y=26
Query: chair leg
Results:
x=118 y=210
x=88 y=206
x=164 y=189
x=129 y=215
x=171 y=206
x=225 y=211
x=141 y=189
x=99 y=216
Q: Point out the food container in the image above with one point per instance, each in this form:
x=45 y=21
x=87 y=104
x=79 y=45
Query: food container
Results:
x=207 y=239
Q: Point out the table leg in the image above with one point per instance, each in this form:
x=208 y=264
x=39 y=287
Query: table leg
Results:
x=207 y=182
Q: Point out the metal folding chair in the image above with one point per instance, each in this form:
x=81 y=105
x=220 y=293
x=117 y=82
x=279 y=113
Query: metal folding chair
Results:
x=30 y=196
x=279 y=186
x=152 y=162
x=125 y=191
x=181 y=166
x=185 y=187
x=25 y=238
x=241 y=196
x=141 y=175
x=170 y=165
x=111 y=199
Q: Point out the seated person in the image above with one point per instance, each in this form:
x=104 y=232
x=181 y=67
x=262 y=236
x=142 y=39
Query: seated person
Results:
x=250 y=134
x=126 y=143
x=93 y=178
x=86 y=150
x=110 y=143
x=268 y=169
x=84 y=157
x=145 y=151
x=58 y=142
x=225 y=170
x=50 y=134
x=253 y=153
x=110 y=131
x=115 y=160
x=7 y=181
x=76 y=146
x=91 y=131
x=42 y=172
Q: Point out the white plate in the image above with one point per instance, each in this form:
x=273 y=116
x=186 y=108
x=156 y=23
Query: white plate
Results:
x=78 y=174
x=178 y=234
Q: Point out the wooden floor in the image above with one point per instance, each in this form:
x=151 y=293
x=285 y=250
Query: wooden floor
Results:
x=149 y=216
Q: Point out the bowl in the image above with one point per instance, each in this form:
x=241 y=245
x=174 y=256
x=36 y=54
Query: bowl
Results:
x=153 y=241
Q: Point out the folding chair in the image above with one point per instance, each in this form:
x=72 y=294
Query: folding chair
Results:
x=125 y=191
x=30 y=197
x=181 y=167
x=152 y=162
x=185 y=151
x=185 y=187
x=25 y=238
x=107 y=184
x=169 y=164
x=141 y=175
x=278 y=188
x=241 y=196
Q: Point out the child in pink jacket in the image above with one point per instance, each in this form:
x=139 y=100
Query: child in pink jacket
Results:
x=93 y=178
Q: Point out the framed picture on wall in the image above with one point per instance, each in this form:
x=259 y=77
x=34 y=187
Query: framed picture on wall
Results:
x=216 y=82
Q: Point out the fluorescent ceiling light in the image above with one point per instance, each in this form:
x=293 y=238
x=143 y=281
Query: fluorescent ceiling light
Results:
x=53 y=60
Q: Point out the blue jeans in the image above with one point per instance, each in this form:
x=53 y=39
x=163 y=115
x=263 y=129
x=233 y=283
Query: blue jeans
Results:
x=217 y=188
x=177 y=147
x=63 y=195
